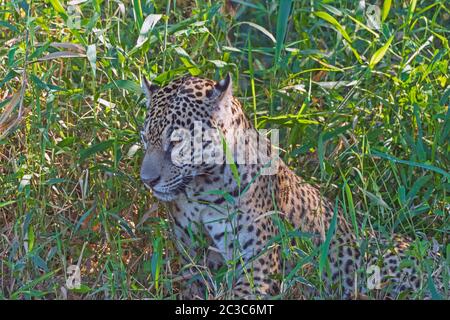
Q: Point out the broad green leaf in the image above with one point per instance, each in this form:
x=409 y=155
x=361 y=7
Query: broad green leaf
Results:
x=25 y=181
x=325 y=16
x=149 y=23
x=123 y=84
x=59 y=8
x=9 y=26
x=386 y=9
x=411 y=163
x=287 y=120
x=48 y=86
x=418 y=184
x=53 y=181
x=83 y=217
x=83 y=289
x=11 y=74
x=228 y=197
x=324 y=248
x=218 y=63
x=96 y=5
x=39 y=262
x=260 y=28
x=31 y=238
x=351 y=207
x=187 y=61
x=379 y=54
x=7 y=203
x=332 y=9
x=137 y=10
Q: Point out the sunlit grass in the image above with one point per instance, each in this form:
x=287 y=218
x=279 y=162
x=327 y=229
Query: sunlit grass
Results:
x=363 y=112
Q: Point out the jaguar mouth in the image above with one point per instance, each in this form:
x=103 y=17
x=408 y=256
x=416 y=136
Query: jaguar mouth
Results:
x=170 y=194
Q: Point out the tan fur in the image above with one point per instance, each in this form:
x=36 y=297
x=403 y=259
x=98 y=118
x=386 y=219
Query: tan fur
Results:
x=240 y=230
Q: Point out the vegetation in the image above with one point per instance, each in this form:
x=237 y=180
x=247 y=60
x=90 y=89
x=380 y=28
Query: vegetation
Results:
x=362 y=104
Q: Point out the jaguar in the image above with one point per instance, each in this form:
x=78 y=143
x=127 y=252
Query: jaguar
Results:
x=227 y=214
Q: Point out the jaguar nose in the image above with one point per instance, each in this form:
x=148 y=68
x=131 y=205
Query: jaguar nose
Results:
x=151 y=182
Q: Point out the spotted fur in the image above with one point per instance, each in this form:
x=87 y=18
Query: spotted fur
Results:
x=235 y=228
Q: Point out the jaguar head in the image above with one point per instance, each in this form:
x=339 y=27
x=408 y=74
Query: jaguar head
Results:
x=178 y=116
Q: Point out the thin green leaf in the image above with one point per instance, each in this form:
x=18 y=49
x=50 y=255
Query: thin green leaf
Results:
x=325 y=16
x=137 y=10
x=96 y=148
x=282 y=21
x=7 y=203
x=328 y=18
x=411 y=163
x=91 y=53
x=324 y=248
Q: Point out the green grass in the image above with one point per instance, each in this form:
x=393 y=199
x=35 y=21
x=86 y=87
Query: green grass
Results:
x=363 y=112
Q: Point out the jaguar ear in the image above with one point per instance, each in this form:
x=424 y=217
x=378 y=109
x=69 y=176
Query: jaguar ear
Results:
x=223 y=88
x=148 y=88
